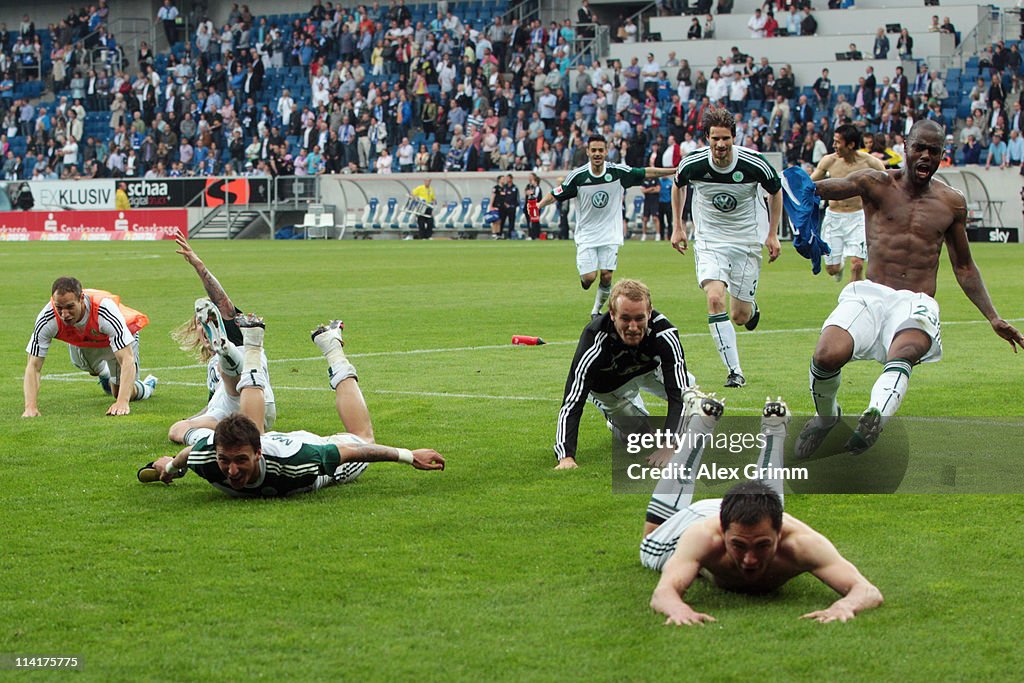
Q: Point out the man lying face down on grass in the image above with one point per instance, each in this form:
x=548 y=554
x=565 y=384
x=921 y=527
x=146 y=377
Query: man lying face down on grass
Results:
x=744 y=542
x=240 y=459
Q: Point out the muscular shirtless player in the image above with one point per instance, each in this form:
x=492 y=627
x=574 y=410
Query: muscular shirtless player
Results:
x=893 y=317
x=744 y=542
x=843 y=227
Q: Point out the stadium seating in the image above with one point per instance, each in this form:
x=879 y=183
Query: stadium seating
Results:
x=460 y=216
x=368 y=218
x=389 y=215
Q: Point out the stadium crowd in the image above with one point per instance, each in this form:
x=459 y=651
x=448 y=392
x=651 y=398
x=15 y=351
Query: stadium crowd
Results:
x=373 y=89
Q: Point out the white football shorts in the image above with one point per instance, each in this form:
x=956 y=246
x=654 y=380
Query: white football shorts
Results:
x=873 y=314
x=223 y=404
x=844 y=234
x=592 y=259
x=737 y=265
x=659 y=545
x=91 y=359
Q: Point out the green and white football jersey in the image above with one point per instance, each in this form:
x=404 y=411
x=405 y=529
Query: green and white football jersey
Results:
x=598 y=202
x=293 y=462
x=727 y=202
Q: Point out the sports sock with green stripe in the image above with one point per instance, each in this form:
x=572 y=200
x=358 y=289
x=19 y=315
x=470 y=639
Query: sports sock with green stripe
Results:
x=724 y=335
x=891 y=387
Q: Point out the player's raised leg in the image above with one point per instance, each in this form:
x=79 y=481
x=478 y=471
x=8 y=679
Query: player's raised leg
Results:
x=834 y=350
x=907 y=349
x=252 y=380
x=701 y=413
x=348 y=398
x=775 y=419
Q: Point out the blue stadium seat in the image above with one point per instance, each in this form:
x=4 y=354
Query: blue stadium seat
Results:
x=447 y=214
x=389 y=214
x=369 y=215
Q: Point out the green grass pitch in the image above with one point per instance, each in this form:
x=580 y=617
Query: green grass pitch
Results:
x=498 y=568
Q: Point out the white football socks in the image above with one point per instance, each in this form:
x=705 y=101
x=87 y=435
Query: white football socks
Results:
x=890 y=387
x=144 y=388
x=601 y=297
x=672 y=495
x=231 y=360
x=824 y=388
x=724 y=334
x=341 y=368
x=252 y=358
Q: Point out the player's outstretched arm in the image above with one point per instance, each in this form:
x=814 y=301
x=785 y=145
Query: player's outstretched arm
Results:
x=213 y=289
x=821 y=171
x=774 y=218
x=126 y=382
x=854 y=185
x=679 y=242
x=835 y=571
x=33 y=372
x=676 y=577
x=969 y=277
x=421 y=459
x=168 y=466
x=546 y=200
x=656 y=172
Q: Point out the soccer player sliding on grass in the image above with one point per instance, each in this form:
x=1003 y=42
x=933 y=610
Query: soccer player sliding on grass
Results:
x=742 y=542
x=745 y=543
x=240 y=459
x=892 y=317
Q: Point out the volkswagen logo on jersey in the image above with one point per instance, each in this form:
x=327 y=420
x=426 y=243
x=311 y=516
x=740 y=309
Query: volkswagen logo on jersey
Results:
x=600 y=200
x=724 y=202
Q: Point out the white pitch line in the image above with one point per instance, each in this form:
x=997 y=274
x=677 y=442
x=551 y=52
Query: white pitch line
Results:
x=436 y=394
x=490 y=347
x=730 y=407
x=306 y=359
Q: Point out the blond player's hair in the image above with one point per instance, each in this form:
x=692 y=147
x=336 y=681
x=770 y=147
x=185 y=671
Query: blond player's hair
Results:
x=191 y=339
x=634 y=290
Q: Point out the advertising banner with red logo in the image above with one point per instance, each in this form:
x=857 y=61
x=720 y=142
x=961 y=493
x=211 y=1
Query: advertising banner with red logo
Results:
x=64 y=226
x=182 y=192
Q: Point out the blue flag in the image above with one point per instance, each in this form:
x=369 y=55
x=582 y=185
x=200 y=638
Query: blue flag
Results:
x=801 y=204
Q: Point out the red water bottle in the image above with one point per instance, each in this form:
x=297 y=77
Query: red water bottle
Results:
x=523 y=340
x=532 y=212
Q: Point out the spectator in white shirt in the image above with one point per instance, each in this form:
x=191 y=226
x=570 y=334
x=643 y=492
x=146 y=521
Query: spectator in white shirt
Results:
x=756 y=24
x=649 y=71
